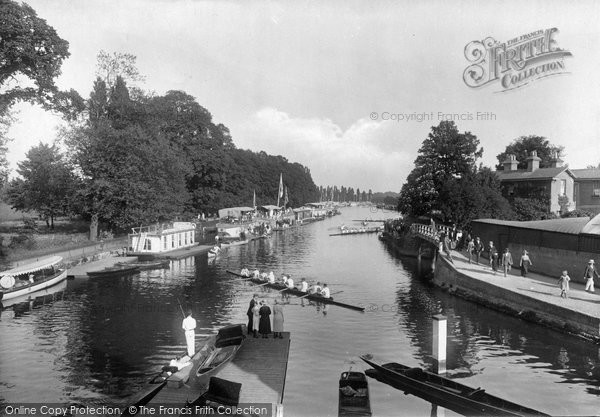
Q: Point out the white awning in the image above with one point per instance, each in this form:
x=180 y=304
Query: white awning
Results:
x=33 y=266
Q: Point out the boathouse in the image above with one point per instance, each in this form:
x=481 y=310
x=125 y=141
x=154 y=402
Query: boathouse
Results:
x=553 y=245
x=160 y=238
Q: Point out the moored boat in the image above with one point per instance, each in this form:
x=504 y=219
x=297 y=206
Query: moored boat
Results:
x=146 y=265
x=444 y=391
x=297 y=292
x=31 y=277
x=188 y=377
x=114 y=271
x=353 y=395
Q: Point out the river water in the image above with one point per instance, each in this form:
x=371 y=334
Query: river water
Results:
x=98 y=340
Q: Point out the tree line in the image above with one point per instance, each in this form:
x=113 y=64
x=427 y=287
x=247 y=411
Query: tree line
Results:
x=344 y=194
x=127 y=157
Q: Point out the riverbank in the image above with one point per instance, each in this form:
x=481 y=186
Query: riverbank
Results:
x=535 y=298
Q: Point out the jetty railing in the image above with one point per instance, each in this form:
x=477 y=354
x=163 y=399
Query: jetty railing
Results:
x=428 y=232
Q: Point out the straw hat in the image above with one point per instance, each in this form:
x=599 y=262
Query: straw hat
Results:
x=591 y=261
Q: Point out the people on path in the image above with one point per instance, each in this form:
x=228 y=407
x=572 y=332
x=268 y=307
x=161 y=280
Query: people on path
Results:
x=563 y=284
x=277 y=320
x=445 y=240
x=507 y=261
x=491 y=249
x=249 y=313
x=264 y=325
x=494 y=259
x=478 y=249
x=525 y=263
x=189 y=325
x=588 y=275
x=470 y=249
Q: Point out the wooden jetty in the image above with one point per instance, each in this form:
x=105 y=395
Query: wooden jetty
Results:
x=261 y=366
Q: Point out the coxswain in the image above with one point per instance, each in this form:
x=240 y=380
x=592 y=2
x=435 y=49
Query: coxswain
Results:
x=325 y=291
x=303 y=285
x=290 y=283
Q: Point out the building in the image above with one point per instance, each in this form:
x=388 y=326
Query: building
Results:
x=586 y=193
x=552 y=182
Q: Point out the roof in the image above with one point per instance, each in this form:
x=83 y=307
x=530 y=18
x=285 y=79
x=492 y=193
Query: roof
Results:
x=572 y=225
x=33 y=266
x=592 y=227
x=302 y=209
x=271 y=207
x=586 y=174
x=538 y=174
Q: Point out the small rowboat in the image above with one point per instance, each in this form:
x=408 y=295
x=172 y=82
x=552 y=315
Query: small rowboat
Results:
x=31 y=277
x=445 y=392
x=146 y=265
x=297 y=292
x=354 y=395
x=114 y=271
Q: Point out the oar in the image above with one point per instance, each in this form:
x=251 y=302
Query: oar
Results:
x=337 y=292
x=260 y=285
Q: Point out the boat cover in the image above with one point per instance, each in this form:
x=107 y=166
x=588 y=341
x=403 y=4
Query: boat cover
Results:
x=33 y=266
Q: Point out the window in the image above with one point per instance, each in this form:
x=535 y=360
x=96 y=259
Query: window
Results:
x=596 y=189
x=563 y=187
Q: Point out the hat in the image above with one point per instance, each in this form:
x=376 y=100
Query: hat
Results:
x=591 y=261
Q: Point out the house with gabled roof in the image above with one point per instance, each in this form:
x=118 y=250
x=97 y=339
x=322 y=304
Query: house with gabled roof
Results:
x=551 y=182
x=587 y=189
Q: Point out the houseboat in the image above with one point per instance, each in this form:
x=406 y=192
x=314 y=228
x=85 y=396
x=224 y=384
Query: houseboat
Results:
x=161 y=238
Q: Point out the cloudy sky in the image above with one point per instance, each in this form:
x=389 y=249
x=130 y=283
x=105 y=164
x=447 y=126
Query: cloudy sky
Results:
x=317 y=81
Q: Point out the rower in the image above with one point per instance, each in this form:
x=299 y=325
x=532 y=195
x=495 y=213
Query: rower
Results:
x=304 y=285
x=256 y=273
x=290 y=283
x=264 y=277
x=271 y=277
x=284 y=279
x=245 y=272
x=325 y=291
x=316 y=288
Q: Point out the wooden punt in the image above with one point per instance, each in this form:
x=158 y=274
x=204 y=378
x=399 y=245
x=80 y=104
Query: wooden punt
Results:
x=353 y=395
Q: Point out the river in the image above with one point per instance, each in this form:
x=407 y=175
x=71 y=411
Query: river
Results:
x=98 y=340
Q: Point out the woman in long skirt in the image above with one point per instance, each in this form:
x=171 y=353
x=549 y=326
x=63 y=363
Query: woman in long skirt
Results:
x=277 y=320
x=255 y=318
x=525 y=263
x=264 y=325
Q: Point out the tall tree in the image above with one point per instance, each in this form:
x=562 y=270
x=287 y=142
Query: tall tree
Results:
x=31 y=54
x=445 y=153
x=47 y=184
x=522 y=148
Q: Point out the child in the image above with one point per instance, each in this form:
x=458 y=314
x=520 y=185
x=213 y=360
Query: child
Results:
x=563 y=283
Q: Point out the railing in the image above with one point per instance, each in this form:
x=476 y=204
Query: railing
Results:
x=430 y=233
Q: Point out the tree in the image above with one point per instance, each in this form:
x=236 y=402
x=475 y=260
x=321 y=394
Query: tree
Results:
x=522 y=148
x=445 y=153
x=47 y=184
x=30 y=51
x=111 y=66
x=5 y=121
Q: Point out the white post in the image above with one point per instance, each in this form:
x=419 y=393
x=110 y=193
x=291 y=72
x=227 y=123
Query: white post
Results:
x=279 y=410
x=439 y=343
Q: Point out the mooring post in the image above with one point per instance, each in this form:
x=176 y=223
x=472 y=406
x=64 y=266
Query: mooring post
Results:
x=419 y=250
x=279 y=410
x=439 y=343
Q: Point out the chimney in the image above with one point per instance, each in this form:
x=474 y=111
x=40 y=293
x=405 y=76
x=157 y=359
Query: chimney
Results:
x=556 y=162
x=533 y=162
x=511 y=163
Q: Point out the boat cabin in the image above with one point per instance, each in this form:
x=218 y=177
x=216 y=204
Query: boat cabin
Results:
x=162 y=237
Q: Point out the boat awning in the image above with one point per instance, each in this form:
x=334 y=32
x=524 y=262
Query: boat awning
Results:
x=33 y=266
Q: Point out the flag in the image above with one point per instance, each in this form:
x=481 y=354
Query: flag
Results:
x=285 y=199
x=280 y=186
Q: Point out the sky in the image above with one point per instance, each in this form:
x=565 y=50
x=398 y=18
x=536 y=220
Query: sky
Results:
x=348 y=88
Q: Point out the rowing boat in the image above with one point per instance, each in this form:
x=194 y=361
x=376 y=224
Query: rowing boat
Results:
x=192 y=376
x=297 y=292
x=353 y=395
x=445 y=392
x=146 y=265
x=114 y=271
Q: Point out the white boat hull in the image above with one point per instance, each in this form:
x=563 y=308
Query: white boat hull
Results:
x=36 y=286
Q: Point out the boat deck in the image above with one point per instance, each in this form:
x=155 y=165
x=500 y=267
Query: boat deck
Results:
x=173 y=254
x=261 y=366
